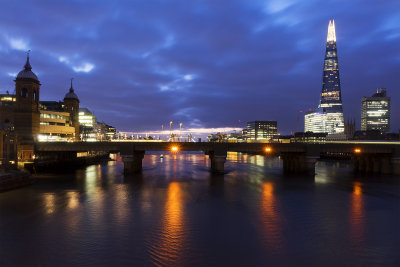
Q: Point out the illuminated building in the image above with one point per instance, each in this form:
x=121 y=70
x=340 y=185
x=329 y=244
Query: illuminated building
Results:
x=314 y=121
x=55 y=126
x=309 y=137
x=105 y=131
x=330 y=109
x=87 y=122
x=261 y=130
x=375 y=112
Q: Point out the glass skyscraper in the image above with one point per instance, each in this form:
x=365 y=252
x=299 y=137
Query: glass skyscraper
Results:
x=375 y=112
x=329 y=117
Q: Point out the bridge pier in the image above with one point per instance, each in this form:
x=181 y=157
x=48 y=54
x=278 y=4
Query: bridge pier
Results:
x=302 y=161
x=218 y=159
x=133 y=163
x=299 y=163
x=375 y=163
x=396 y=165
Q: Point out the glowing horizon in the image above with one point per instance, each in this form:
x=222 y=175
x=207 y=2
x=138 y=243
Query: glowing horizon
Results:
x=193 y=131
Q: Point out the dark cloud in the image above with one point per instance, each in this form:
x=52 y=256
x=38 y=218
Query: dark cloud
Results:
x=140 y=64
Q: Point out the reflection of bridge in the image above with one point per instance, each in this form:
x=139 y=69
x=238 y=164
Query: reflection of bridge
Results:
x=297 y=157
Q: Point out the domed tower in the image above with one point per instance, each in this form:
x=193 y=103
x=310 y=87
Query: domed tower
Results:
x=27 y=114
x=71 y=105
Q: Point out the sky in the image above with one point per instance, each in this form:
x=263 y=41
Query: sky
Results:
x=203 y=63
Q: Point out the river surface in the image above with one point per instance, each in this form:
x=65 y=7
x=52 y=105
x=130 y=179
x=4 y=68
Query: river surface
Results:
x=177 y=213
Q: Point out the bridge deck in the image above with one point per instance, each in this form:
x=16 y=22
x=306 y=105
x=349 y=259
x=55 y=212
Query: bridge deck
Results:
x=130 y=147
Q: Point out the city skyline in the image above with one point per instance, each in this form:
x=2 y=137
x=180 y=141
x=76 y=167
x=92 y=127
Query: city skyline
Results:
x=202 y=82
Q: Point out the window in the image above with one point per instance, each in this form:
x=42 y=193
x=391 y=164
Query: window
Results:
x=24 y=92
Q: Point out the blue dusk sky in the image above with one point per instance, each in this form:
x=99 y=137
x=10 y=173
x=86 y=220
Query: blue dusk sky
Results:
x=205 y=63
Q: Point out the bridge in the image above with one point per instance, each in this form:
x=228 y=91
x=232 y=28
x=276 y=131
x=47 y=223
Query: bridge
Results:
x=297 y=157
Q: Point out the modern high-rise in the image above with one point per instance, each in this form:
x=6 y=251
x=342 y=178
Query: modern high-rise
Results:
x=329 y=117
x=375 y=112
x=261 y=130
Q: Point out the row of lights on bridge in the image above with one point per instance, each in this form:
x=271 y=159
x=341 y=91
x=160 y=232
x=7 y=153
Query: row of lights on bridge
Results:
x=266 y=149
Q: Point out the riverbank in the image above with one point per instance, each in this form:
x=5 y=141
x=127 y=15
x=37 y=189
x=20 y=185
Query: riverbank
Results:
x=14 y=179
x=66 y=165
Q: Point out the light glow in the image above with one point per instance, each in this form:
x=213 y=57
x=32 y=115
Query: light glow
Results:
x=268 y=149
x=331 y=32
x=357 y=150
x=174 y=149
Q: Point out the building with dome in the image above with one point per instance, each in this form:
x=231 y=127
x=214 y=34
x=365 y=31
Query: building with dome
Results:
x=33 y=120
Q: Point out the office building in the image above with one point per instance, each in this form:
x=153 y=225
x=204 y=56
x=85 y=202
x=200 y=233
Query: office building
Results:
x=105 y=131
x=87 y=122
x=375 y=112
x=261 y=130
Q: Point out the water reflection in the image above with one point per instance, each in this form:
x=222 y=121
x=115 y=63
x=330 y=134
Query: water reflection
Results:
x=357 y=217
x=121 y=203
x=49 y=200
x=168 y=250
x=271 y=219
x=73 y=200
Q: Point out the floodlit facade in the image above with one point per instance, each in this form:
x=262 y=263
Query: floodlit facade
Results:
x=105 y=131
x=375 y=112
x=329 y=117
x=314 y=121
x=87 y=122
x=261 y=130
x=55 y=126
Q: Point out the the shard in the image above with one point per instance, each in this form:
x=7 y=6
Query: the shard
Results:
x=329 y=116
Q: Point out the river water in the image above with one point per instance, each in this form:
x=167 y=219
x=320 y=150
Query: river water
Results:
x=177 y=213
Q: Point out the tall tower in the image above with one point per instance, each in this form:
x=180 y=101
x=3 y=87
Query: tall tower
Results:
x=331 y=95
x=71 y=105
x=27 y=114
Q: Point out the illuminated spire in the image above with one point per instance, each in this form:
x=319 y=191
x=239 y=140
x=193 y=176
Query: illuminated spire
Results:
x=331 y=32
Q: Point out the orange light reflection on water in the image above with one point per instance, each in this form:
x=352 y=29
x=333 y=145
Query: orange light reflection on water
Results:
x=357 y=215
x=168 y=250
x=271 y=219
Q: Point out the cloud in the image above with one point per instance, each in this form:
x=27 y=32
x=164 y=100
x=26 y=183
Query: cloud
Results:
x=12 y=74
x=83 y=67
x=18 y=44
x=203 y=63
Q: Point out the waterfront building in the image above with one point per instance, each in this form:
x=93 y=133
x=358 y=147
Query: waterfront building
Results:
x=58 y=120
x=308 y=137
x=87 y=122
x=105 y=131
x=55 y=125
x=261 y=130
x=375 y=112
x=329 y=116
